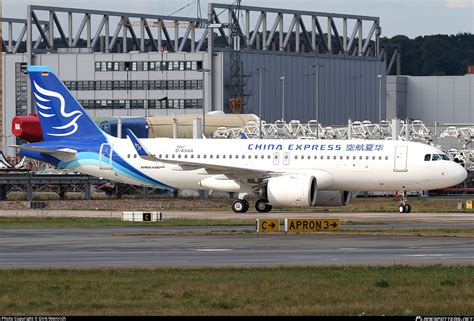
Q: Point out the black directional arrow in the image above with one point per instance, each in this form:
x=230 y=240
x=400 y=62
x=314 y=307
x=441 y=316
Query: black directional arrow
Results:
x=272 y=225
x=333 y=224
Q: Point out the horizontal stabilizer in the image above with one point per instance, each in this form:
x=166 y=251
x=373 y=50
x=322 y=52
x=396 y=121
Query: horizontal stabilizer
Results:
x=65 y=154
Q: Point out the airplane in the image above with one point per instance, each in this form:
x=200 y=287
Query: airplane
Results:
x=289 y=172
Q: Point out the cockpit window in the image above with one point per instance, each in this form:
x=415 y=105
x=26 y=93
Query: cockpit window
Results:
x=436 y=157
x=427 y=157
x=444 y=156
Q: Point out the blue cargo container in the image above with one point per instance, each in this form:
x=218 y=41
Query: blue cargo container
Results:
x=139 y=126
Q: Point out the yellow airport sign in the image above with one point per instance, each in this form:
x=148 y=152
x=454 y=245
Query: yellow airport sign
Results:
x=469 y=205
x=268 y=225
x=312 y=225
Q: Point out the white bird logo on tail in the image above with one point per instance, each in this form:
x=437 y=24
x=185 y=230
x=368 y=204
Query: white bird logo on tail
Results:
x=47 y=112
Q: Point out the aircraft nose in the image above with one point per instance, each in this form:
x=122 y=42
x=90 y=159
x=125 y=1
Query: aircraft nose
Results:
x=459 y=173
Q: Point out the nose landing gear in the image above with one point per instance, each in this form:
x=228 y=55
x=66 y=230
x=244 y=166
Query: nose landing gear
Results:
x=404 y=206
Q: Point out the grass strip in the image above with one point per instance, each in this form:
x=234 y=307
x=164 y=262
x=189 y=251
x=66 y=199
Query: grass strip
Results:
x=85 y=222
x=394 y=290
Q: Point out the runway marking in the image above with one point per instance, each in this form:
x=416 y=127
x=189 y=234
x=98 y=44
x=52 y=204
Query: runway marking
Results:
x=428 y=255
x=212 y=250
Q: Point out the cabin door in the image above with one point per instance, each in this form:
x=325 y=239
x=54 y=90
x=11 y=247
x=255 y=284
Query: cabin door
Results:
x=105 y=156
x=401 y=159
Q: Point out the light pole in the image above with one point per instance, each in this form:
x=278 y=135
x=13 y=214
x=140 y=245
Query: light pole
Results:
x=379 y=77
x=282 y=78
x=316 y=93
x=204 y=101
x=260 y=70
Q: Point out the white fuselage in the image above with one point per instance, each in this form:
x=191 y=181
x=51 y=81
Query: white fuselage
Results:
x=338 y=165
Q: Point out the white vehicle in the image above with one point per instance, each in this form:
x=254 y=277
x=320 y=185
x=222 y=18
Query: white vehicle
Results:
x=279 y=172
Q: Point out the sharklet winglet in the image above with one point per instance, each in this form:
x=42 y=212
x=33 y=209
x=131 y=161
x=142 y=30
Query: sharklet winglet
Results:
x=141 y=150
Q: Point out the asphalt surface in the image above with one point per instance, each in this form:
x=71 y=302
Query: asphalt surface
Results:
x=152 y=247
x=161 y=246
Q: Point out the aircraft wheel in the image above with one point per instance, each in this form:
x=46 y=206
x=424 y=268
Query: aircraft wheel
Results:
x=401 y=208
x=407 y=208
x=240 y=206
x=262 y=207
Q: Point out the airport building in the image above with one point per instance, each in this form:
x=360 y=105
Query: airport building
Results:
x=286 y=64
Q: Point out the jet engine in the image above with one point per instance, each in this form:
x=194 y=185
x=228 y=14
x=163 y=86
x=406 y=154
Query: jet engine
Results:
x=291 y=190
x=333 y=198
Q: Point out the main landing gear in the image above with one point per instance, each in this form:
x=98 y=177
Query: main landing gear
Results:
x=404 y=206
x=242 y=206
x=262 y=206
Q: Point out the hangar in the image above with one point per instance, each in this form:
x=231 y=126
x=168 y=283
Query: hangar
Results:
x=324 y=66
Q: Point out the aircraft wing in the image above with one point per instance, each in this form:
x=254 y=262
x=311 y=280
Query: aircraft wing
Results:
x=217 y=169
x=65 y=154
x=185 y=164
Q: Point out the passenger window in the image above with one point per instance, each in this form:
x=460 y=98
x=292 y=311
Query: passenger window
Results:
x=334 y=157
x=128 y=156
x=366 y=157
x=296 y=156
x=236 y=156
x=386 y=157
x=204 y=156
x=179 y=155
x=256 y=156
x=309 y=157
x=249 y=157
x=353 y=157
x=269 y=156
x=230 y=156
x=341 y=157
x=160 y=156
x=360 y=157
x=192 y=155
x=328 y=157
x=223 y=156
x=315 y=157
x=211 y=156
x=380 y=157
x=134 y=155
x=427 y=157
x=198 y=156
x=262 y=157
x=166 y=156
x=435 y=157
x=172 y=156
x=373 y=157
x=347 y=157
x=217 y=156
x=185 y=155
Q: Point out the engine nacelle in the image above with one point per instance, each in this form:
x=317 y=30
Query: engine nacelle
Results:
x=292 y=190
x=333 y=198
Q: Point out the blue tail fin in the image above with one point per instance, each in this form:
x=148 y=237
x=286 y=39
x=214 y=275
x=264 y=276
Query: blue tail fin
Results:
x=61 y=116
